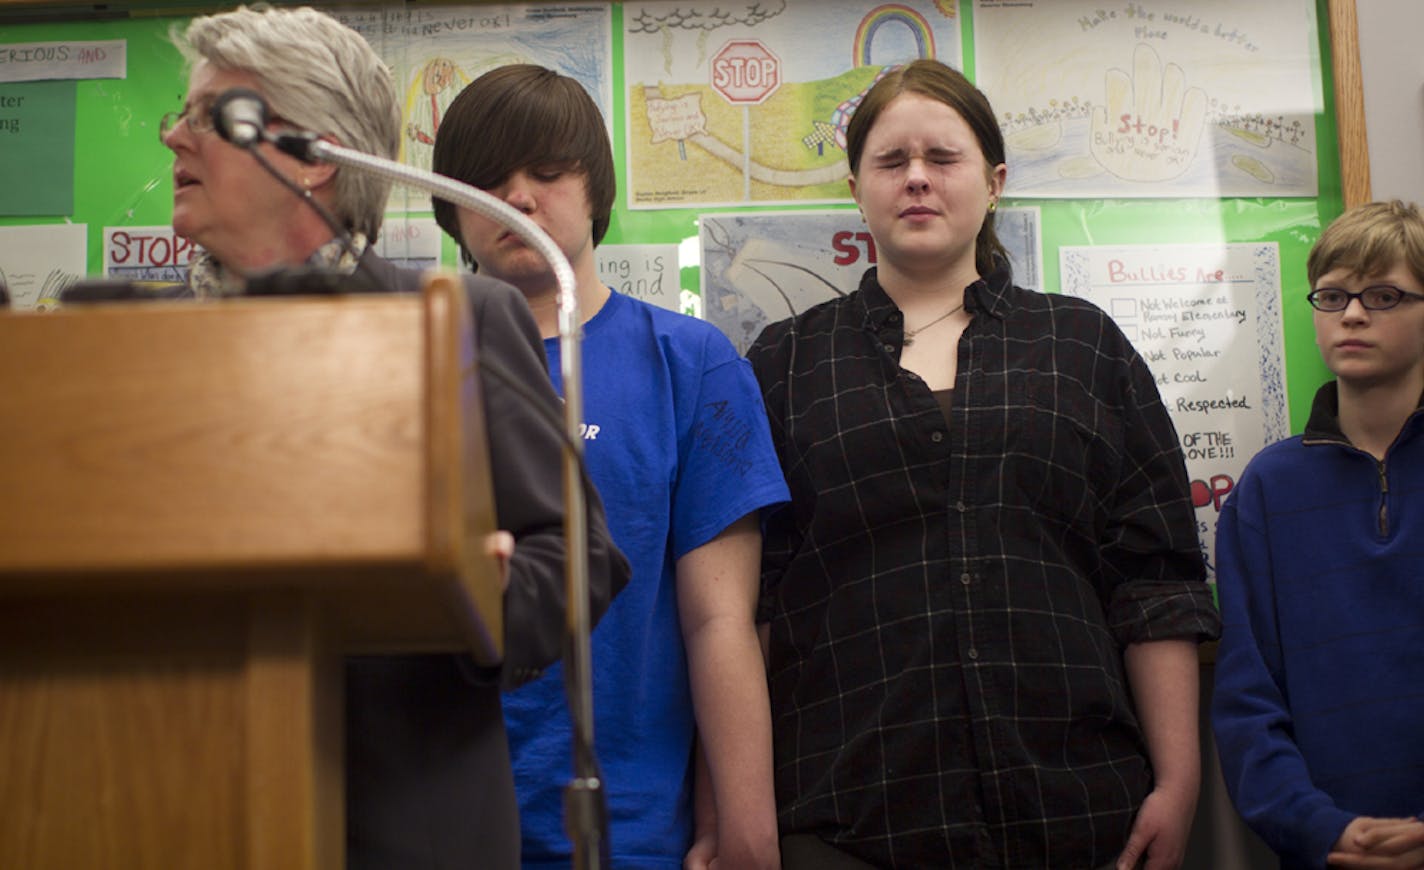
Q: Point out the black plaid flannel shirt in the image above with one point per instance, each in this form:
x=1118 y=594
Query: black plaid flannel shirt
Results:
x=949 y=603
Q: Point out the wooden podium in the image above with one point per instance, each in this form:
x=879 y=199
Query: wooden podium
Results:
x=202 y=507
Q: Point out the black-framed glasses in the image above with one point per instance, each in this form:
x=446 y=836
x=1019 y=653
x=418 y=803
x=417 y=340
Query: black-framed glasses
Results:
x=199 y=119
x=1381 y=297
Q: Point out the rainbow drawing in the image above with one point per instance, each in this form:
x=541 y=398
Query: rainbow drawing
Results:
x=840 y=118
x=882 y=15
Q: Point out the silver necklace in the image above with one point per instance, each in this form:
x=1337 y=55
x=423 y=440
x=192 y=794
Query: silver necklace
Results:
x=911 y=333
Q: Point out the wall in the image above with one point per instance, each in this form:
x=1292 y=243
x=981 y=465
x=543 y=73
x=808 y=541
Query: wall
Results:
x=1393 y=70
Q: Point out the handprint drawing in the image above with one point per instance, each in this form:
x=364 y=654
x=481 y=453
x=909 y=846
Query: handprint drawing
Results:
x=1151 y=124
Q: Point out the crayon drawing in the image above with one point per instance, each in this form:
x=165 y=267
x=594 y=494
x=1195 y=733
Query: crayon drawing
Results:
x=748 y=104
x=1151 y=99
x=434 y=52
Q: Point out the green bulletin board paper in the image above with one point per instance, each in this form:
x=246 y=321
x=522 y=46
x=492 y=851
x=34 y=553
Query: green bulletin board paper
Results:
x=37 y=141
x=122 y=177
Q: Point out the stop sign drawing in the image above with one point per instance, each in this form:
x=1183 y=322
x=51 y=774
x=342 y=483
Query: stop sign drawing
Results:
x=745 y=72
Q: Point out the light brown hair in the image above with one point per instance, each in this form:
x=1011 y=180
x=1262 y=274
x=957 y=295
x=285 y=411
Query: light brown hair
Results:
x=933 y=79
x=1369 y=240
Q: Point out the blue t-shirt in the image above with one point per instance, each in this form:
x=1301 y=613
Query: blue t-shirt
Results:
x=676 y=441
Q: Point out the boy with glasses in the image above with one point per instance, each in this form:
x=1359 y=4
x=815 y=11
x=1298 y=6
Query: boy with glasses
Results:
x=1320 y=573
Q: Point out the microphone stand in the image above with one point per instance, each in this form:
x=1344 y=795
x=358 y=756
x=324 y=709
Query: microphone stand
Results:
x=585 y=802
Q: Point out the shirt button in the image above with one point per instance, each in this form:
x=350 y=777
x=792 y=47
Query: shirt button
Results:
x=888 y=348
x=959 y=506
x=965 y=578
x=973 y=653
x=937 y=437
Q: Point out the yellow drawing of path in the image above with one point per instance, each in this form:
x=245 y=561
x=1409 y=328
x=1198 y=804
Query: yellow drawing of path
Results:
x=759 y=171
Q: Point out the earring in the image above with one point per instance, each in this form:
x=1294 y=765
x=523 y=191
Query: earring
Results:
x=993 y=205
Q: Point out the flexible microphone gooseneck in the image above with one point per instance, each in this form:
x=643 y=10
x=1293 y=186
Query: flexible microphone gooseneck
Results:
x=585 y=802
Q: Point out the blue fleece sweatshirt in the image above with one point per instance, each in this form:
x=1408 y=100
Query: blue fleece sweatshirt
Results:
x=1319 y=702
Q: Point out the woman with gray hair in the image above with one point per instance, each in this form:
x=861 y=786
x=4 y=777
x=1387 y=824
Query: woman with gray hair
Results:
x=323 y=77
x=428 y=781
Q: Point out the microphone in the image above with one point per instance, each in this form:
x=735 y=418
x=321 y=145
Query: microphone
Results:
x=240 y=116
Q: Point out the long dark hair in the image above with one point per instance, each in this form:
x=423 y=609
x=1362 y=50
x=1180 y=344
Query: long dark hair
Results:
x=519 y=116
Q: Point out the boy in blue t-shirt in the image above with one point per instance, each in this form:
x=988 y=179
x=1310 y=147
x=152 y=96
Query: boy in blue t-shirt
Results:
x=1317 y=708
x=677 y=442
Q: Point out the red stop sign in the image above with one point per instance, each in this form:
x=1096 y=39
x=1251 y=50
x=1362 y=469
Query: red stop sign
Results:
x=745 y=72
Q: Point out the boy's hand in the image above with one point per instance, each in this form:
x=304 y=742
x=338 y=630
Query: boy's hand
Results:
x=1380 y=844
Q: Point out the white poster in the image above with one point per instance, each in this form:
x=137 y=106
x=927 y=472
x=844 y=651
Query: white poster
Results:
x=147 y=254
x=1207 y=319
x=37 y=262
x=1213 y=98
x=410 y=242
x=767 y=266
x=435 y=51
x=646 y=272
x=48 y=61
